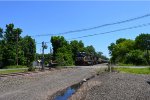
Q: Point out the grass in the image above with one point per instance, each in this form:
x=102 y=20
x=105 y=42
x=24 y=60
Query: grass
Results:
x=12 y=71
x=14 y=66
x=134 y=70
x=121 y=64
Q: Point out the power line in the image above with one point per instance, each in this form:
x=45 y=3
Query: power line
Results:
x=96 y=27
x=129 y=28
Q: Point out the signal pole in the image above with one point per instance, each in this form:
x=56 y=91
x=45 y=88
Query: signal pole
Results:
x=17 y=51
x=43 y=55
x=44 y=46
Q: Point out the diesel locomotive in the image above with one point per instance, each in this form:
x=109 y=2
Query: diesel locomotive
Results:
x=83 y=58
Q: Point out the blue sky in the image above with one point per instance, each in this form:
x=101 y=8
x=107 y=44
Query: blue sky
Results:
x=52 y=17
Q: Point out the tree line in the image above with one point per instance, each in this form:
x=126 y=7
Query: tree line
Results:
x=14 y=49
x=65 y=52
x=18 y=50
x=127 y=51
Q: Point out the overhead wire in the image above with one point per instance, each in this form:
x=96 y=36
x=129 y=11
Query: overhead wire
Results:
x=122 y=29
x=117 y=30
x=96 y=27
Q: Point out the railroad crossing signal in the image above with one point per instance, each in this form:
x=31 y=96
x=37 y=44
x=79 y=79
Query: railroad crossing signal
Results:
x=44 y=46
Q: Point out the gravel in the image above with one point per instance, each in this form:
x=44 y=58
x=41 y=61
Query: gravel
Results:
x=40 y=86
x=120 y=86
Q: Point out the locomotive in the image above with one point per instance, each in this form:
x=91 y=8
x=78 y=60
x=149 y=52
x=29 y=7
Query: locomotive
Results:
x=83 y=58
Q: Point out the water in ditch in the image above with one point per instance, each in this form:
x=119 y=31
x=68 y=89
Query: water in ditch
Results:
x=64 y=95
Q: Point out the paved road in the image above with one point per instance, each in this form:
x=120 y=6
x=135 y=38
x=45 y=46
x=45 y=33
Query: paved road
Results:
x=40 y=86
x=104 y=65
x=133 y=66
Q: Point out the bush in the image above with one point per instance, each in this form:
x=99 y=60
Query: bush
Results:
x=64 y=59
x=135 y=57
x=31 y=69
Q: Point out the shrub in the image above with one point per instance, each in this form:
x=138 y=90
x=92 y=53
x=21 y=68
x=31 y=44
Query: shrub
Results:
x=31 y=69
x=135 y=57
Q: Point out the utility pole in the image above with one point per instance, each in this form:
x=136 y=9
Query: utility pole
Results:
x=50 y=50
x=43 y=55
x=17 y=50
x=44 y=46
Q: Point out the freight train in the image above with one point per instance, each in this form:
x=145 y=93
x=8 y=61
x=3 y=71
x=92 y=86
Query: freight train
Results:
x=83 y=58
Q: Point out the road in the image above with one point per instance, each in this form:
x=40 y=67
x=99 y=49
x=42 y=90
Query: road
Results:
x=40 y=86
x=94 y=67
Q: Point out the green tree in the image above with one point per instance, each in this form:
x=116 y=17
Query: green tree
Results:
x=1 y=49
x=64 y=56
x=10 y=46
x=143 y=43
x=111 y=48
x=1 y=33
x=90 y=50
x=100 y=55
x=57 y=42
x=1 y=52
x=119 y=50
x=29 y=50
x=135 y=57
x=13 y=48
x=61 y=51
x=120 y=40
x=76 y=47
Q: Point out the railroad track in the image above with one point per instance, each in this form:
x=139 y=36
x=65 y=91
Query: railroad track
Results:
x=23 y=73
x=17 y=74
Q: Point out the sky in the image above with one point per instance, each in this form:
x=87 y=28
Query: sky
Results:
x=53 y=17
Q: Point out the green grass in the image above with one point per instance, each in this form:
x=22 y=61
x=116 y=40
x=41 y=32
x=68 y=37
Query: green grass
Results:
x=14 y=66
x=134 y=70
x=12 y=71
x=121 y=64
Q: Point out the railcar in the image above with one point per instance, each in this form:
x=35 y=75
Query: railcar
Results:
x=84 y=59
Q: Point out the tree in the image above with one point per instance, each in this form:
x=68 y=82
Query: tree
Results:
x=76 y=47
x=100 y=55
x=11 y=36
x=120 y=49
x=14 y=49
x=143 y=43
x=1 y=52
x=64 y=56
x=29 y=49
x=120 y=40
x=61 y=51
x=1 y=33
x=135 y=57
x=111 y=48
x=90 y=50
x=1 y=48
x=57 y=42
